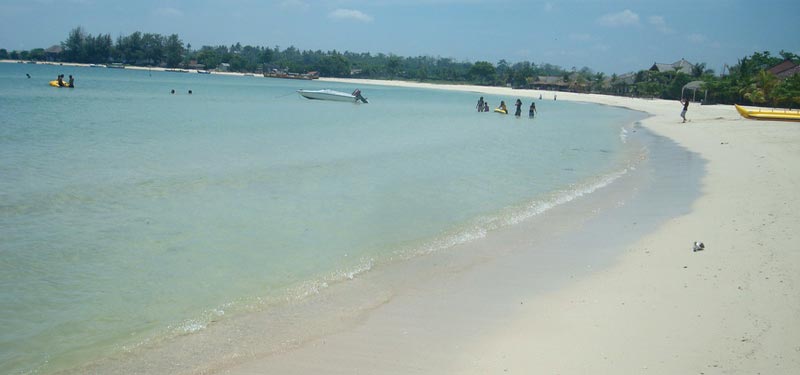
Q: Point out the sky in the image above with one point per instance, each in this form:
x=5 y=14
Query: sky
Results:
x=610 y=36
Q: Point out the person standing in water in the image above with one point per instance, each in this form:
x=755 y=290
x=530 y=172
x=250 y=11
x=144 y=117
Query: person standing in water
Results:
x=71 y=81
x=480 y=104
x=685 y=103
x=518 y=104
x=502 y=107
x=532 y=110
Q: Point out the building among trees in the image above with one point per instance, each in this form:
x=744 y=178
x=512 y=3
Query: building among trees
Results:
x=680 y=66
x=54 y=53
x=555 y=83
x=785 y=69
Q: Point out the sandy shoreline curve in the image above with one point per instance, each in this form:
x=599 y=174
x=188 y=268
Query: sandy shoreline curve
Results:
x=660 y=308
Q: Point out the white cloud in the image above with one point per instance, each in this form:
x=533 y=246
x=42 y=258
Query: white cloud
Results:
x=660 y=24
x=697 y=38
x=350 y=14
x=624 y=18
x=168 y=12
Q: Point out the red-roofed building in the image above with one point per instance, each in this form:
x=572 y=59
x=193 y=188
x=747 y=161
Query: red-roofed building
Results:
x=785 y=69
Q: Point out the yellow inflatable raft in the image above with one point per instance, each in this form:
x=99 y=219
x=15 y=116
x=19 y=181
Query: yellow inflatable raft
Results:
x=54 y=83
x=768 y=114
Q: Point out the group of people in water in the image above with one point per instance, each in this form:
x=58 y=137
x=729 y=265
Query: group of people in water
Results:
x=61 y=83
x=483 y=106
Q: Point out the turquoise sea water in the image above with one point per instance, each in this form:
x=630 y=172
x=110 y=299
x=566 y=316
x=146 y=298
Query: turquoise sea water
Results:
x=128 y=213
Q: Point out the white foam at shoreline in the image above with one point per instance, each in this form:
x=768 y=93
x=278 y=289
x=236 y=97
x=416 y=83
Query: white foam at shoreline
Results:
x=539 y=207
x=477 y=231
x=618 y=309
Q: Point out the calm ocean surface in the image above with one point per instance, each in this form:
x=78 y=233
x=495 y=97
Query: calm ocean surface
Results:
x=128 y=214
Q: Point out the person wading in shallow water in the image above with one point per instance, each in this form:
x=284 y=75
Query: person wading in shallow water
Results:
x=502 y=107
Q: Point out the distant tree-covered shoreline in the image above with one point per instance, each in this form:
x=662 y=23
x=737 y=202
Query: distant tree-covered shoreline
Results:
x=747 y=82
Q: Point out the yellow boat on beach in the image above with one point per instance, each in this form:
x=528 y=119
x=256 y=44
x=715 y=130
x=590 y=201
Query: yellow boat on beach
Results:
x=769 y=114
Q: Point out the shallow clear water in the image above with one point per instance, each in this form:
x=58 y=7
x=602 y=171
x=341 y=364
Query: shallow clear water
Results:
x=128 y=213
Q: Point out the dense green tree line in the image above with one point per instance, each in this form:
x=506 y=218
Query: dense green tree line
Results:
x=137 y=48
x=750 y=82
x=746 y=82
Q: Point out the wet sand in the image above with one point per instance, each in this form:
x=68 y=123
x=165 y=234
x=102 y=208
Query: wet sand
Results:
x=651 y=306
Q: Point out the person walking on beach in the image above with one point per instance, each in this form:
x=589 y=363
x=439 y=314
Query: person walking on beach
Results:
x=518 y=104
x=532 y=110
x=480 y=104
x=685 y=103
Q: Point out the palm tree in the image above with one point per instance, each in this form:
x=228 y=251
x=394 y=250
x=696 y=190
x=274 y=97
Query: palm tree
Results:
x=760 y=88
x=698 y=70
x=788 y=92
x=599 y=77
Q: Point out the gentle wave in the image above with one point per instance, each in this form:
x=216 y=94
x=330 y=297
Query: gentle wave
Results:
x=299 y=292
x=514 y=216
x=478 y=229
x=200 y=200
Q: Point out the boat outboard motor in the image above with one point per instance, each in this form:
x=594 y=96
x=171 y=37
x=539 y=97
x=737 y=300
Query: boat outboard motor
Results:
x=358 y=96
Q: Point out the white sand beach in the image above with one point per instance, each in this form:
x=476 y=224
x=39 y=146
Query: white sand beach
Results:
x=659 y=308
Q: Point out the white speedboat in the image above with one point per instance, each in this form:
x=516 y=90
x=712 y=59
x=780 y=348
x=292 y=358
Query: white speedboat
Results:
x=338 y=96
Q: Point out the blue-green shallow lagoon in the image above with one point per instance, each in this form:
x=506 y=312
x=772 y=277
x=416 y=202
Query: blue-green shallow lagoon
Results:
x=129 y=215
